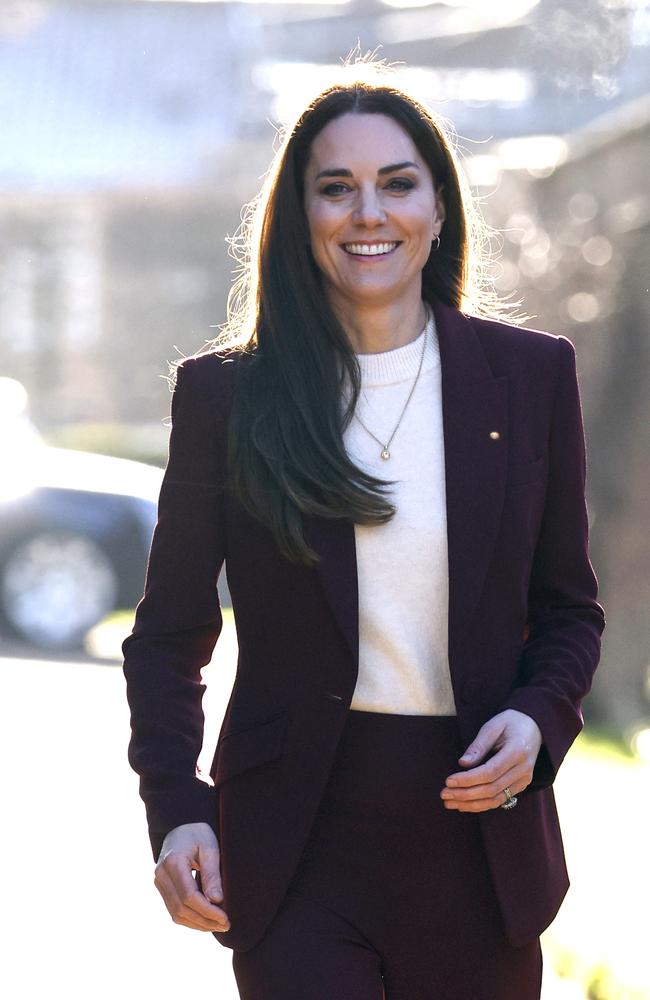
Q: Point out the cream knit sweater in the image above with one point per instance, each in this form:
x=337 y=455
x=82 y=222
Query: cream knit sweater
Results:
x=402 y=565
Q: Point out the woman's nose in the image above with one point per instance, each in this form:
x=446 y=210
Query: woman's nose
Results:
x=368 y=208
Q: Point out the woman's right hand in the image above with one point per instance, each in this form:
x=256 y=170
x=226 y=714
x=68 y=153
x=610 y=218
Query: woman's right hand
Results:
x=188 y=848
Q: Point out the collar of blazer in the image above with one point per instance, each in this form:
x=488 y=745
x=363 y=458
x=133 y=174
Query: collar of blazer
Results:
x=474 y=404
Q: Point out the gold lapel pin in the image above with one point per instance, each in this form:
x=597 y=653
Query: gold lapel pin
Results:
x=495 y=435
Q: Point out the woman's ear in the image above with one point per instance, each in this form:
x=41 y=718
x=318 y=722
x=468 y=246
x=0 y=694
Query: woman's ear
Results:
x=440 y=209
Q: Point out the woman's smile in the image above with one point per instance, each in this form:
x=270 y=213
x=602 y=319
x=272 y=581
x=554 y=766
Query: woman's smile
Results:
x=370 y=252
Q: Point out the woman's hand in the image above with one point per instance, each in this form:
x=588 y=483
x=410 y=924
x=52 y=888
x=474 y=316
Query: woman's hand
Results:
x=517 y=739
x=188 y=848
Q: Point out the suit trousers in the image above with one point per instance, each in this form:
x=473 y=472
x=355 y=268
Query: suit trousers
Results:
x=392 y=896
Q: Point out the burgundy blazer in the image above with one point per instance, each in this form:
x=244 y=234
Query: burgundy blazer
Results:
x=524 y=623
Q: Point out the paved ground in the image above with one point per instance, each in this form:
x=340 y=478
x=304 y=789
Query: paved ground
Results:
x=81 y=916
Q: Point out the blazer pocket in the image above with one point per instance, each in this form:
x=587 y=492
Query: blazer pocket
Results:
x=245 y=749
x=523 y=473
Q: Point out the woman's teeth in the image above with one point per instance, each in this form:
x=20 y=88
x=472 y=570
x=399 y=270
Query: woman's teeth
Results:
x=369 y=251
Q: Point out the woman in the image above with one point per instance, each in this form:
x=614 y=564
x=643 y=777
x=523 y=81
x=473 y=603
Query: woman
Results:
x=397 y=489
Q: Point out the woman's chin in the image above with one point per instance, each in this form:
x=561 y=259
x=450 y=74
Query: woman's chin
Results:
x=372 y=293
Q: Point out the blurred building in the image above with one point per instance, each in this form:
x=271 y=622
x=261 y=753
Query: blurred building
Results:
x=574 y=212
x=134 y=130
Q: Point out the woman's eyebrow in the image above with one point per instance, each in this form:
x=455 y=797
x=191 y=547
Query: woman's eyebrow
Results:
x=343 y=172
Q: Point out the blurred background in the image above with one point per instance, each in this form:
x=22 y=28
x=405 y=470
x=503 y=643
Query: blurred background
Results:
x=131 y=134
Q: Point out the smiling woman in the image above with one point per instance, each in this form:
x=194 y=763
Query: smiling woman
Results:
x=372 y=230
x=413 y=650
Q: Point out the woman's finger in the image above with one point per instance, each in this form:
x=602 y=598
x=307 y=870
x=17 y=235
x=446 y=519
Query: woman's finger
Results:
x=485 y=740
x=483 y=805
x=176 y=884
x=506 y=758
x=515 y=750
x=516 y=775
x=188 y=918
x=494 y=802
x=182 y=914
x=509 y=727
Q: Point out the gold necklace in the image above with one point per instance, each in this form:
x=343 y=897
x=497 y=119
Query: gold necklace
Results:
x=385 y=448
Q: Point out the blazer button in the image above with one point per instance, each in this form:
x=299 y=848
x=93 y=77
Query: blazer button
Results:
x=333 y=697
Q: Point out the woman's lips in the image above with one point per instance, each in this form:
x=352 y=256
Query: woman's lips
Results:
x=370 y=257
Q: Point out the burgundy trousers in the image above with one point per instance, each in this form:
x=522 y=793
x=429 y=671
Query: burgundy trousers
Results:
x=392 y=896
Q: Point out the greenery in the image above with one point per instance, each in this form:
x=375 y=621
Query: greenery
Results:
x=604 y=742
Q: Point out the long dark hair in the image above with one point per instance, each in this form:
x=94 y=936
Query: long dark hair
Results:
x=286 y=453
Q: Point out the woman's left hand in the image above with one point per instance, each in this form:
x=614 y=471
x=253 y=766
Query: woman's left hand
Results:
x=516 y=738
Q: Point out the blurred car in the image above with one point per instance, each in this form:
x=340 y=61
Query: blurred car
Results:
x=75 y=531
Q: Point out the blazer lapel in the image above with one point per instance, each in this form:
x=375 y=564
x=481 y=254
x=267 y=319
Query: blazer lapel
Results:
x=474 y=408
x=475 y=427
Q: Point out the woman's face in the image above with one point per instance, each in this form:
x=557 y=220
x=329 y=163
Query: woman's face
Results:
x=371 y=209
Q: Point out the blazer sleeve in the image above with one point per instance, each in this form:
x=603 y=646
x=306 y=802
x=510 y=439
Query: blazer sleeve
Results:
x=565 y=621
x=178 y=619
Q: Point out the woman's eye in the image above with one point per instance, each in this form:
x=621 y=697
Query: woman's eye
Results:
x=330 y=188
x=406 y=185
x=396 y=184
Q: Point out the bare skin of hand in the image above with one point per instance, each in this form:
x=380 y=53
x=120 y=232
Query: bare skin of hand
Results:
x=517 y=739
x=188 y=848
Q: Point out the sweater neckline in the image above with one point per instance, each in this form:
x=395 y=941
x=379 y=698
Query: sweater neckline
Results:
x=401 y=363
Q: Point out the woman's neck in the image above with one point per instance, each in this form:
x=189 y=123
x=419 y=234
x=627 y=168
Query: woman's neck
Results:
x=374 y=329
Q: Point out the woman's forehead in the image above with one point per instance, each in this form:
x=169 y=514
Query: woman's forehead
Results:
x=371 y=140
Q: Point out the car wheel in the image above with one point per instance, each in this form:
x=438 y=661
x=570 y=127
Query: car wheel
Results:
x=54 y=586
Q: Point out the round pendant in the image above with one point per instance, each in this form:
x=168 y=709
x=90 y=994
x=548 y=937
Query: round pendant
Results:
x=385 y=454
